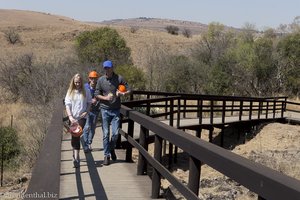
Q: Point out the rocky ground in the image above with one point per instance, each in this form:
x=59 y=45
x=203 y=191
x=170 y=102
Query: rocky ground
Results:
x=274 y=145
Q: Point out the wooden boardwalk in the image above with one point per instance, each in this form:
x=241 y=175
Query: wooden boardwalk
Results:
x=117 y=181
x=93 y=180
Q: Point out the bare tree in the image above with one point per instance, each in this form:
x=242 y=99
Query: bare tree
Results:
x=155 y=56
x=187 y=32
x=173 y=30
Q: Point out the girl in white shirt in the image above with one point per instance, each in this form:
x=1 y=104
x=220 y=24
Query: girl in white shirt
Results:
x=78 y=101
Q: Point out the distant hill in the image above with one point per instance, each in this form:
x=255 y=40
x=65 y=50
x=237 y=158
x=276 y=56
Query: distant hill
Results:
x=157 y=24
x=11 y=17
x=48 y=35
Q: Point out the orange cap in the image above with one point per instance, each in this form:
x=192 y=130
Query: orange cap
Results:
x=93 y=74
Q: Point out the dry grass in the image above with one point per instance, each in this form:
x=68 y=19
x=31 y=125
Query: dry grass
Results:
x=47 y=35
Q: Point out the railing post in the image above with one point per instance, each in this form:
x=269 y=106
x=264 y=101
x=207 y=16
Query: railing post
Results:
x=156 y=177
x=232 y=106
x=142 y=163
x=200 y=111
x=184 y=108
x=148 y=108
x=166 y=108
x=211 y=112
x=210 y=134
x=274 y=108
x=194 y=174
x=285 y=99
x=170 y=158
x=267 y=110
x=131 y=96
x=178 y=112
x=223 y=111
x=222 y=138
x=259 y=109
x=241 y=110
x=171 y=121
x=250 y=110
x=282 y=109
x=198 y=132
x=198 y=106
x=130 y=131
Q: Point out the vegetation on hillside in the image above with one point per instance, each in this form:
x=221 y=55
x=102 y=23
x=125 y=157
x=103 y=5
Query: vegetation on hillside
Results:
x=231 y=63
x=221 y=62
x=105 y=43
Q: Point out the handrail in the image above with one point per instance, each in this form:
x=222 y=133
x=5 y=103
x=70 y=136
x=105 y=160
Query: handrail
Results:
x=46 y=173
x=211 y=106
x=264 y=181
x=204 y=152
x=205 y=96
x=293 y=103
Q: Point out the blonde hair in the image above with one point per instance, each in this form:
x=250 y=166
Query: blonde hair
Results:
x=72 y=86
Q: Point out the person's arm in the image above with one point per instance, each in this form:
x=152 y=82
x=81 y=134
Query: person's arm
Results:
x=106 y=98
x=68 y=109
x=88 y=102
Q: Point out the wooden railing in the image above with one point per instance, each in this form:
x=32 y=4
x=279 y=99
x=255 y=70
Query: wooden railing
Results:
x=267 y=183
x=218 y=109
x=44 y=183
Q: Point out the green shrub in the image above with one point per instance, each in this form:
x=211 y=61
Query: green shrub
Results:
x=12 y=36
x=172 y=30
x=133 y=75
x=101 y=44
x=10 y=143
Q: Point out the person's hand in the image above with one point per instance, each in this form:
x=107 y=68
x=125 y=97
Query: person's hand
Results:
x=119 y=93
x=94 y=101
x=109 y=97
x=72 y=119
x=84 y=114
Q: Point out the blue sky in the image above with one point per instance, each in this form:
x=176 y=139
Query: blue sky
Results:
x=261 y=13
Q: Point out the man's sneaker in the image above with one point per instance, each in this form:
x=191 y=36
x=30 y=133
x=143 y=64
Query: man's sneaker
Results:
x=90 y=147
x=106 y=160
x=113 y=155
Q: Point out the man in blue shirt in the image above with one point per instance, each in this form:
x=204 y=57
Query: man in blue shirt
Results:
x=110 y=103
x=90 y=125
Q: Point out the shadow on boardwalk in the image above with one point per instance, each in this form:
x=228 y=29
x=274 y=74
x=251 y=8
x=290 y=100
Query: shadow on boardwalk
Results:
x=93 y=180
